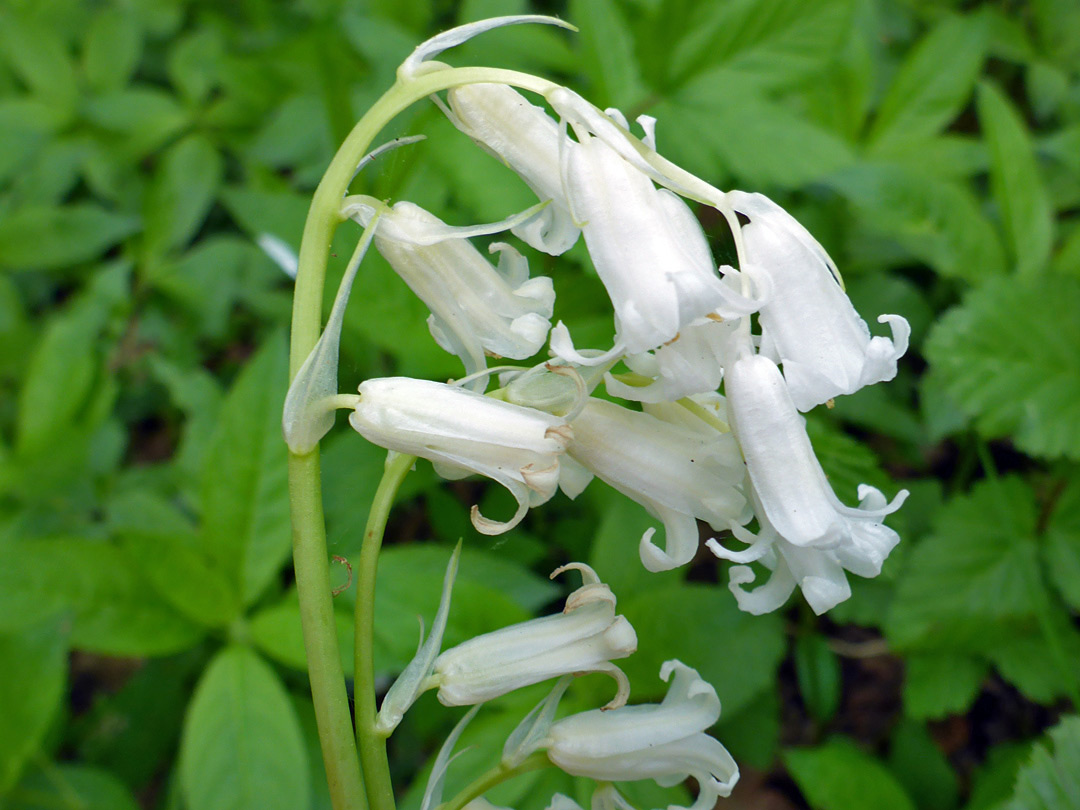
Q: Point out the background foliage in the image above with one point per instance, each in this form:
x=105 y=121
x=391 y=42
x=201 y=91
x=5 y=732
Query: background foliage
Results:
x=150 y=651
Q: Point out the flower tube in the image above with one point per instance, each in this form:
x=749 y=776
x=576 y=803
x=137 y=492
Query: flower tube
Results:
x=664 y=741
x=474 y=307
x=808 y=323
x=648 y=249
x=527 y=139
x=585 y=637
x=465 y=432
x=677 y=473
x=790 y=488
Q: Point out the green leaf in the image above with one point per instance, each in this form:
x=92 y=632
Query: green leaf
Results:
x=111 y=50
x=939 y=683
x=40 y=237
x=1027 y=660
x=607 y=56
x=53 y=785
x=1020 y=193
x=701 y=626
x=938 y=221
x=817 y=670
x=614 y=548
x=146 y=116
x=932 y=85
x=40 y=58
x=1010 y=356
x=977 y=563
x=840 y=776
x=180 y=194
x=242 y=745
x=923 y=770
x=33 y=670
x=1062 y=545
x=277 y=631
x=244 y=486
x=1051 y=778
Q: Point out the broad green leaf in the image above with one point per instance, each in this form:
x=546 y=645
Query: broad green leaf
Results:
x=111 y=50
x=938 y=221
x=242 y=745
x=45 y=237
x=817 y=671
x=194 y=62
x=993 y=781
x=840 y=776
x=922 y=769
x=1042 y=668
x=147 y=117
x=1010 y=357
x=765 y=43
x=614 y=548
x=978 y=563
x=114 y=611
x=33 y=670
x=702 y=627
x=244 y=485
x=752 y=735
x=277 y=631
x=166 y=549
x=932 y=85
x=40 y=58
x=1062 y=549
x=1021 y=196
x=53 y=785
x=62 y=370
x=940 y=683
x=607 y=56
x=1051 y=778
x=180 y=194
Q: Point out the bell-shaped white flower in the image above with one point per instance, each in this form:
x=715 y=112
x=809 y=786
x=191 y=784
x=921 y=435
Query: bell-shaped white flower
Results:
x=648 y=249
x=665 y=742
x=524 y=137
x=677 y=473
x=465 y=432
x=585 y=637
x=808 y=323
x=790 y=489
x=475 y=308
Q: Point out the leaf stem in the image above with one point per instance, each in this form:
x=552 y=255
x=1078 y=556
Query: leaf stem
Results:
x=496 y=776
x=371 y=743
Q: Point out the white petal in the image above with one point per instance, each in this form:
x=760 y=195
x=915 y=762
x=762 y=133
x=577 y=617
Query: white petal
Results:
x=765 y=598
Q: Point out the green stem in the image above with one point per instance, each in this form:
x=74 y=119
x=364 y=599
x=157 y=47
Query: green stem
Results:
x=496 y=776
x=371 y=743
x=320 y=634
x=310 y=556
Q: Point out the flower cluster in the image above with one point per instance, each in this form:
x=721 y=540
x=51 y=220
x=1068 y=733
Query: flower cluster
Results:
x=706 y=379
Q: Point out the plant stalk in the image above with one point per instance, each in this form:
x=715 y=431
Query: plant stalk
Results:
x=496 y=776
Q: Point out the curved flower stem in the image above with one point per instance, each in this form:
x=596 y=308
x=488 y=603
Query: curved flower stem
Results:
x=310 y=556
x=496 y=776
x=371 y=743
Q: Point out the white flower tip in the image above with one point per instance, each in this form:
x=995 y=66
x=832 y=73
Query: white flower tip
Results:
x=492 y=527
x=622 y=690
x=280 y=253
x=414 y=64
x=588 y=575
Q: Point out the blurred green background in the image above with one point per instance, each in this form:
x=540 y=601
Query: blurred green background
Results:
x=150 y=651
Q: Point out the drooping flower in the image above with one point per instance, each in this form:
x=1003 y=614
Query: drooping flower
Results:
x=648 y=249
x=677 y=473
x=665 y=742
x=465 y=432
x=791 y=496
x=524 y=137
x=808 y=323
x=585 y=637
x=475 y=308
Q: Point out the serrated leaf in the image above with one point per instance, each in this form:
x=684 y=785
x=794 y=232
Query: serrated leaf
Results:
x=932 y=85
x=839 y=776
x=1042 y=669
x=111 y=50
x=1051 y=778
x=977 y=564
x=61 y=785
x=245 y=484
x=938 y=221
x=1010 y=356
x=242 y=745
x=1018 y=188
x=33 y=670
x=701 y=625
x=45 y=237
x=938 y=684
x=180 y=194
x=1062 y=545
